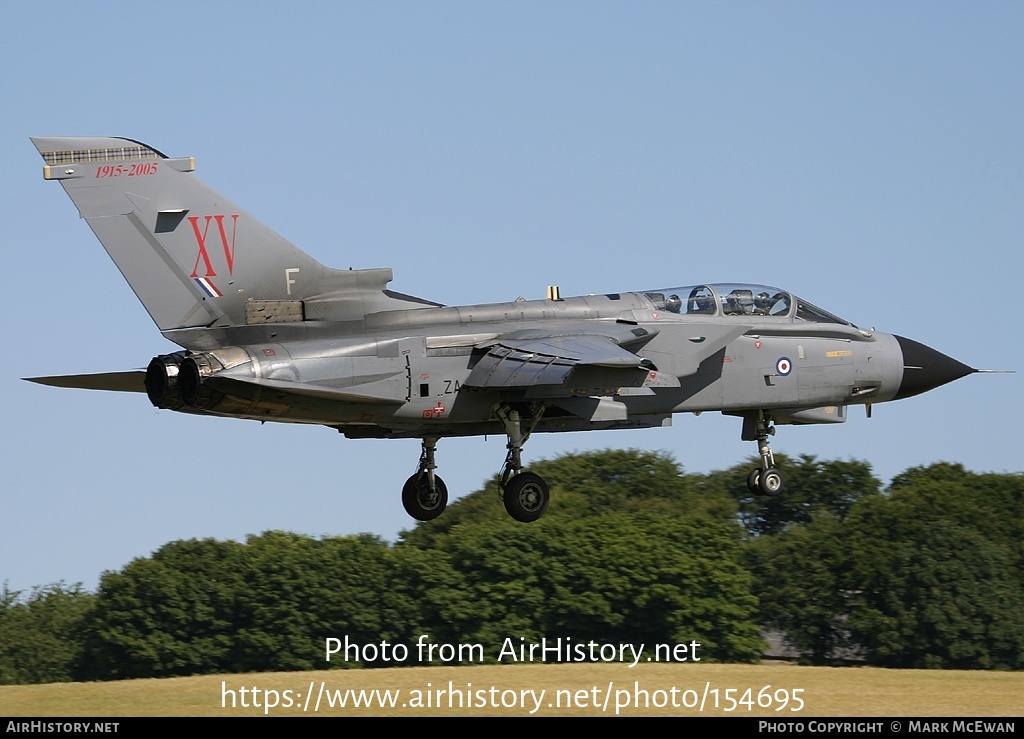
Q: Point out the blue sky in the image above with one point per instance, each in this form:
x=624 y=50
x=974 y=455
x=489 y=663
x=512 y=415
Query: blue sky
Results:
x=867 y=156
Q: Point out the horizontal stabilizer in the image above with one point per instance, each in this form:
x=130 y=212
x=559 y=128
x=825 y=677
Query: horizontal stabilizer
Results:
x=131 y=381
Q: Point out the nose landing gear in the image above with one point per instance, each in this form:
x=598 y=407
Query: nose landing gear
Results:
x=766 y=479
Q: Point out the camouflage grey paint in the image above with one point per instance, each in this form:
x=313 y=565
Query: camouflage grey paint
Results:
x=270 y=334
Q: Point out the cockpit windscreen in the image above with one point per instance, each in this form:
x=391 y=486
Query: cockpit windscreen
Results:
x=739 y=300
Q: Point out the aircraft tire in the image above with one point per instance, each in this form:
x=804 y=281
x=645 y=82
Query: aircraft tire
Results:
x=418 y=500
x=526 y=497
x=754 y=482
x=771 y=482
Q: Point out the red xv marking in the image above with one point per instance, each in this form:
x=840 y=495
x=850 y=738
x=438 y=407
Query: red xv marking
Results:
x=229 y=250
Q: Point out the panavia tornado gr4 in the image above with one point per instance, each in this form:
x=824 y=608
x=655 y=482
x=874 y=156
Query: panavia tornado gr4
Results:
x=269 y=334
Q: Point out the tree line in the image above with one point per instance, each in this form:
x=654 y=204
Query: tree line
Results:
x=925 y=573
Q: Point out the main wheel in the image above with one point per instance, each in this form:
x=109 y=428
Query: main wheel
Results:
x=526 y=497
x=771 y=481
x=754 y=482
x=420 y=502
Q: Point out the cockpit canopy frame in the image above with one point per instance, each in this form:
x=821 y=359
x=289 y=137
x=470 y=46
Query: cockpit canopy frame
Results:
x=737 y=299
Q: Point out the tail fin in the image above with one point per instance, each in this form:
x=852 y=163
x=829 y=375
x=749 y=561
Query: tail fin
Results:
x=194 y=258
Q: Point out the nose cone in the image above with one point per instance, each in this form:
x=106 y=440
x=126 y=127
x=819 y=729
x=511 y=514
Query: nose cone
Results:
x=925 y=369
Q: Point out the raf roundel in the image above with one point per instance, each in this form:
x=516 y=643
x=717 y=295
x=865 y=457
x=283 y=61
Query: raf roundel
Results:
x=784 y=366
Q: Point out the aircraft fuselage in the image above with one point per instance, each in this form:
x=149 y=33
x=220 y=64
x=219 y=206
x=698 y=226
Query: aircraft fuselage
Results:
x=270 y=334
x=422 y=359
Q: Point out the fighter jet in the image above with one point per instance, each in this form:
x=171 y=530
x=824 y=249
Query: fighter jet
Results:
x=269 y=334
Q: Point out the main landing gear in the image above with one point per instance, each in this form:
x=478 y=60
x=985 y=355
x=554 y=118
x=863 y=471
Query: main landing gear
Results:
x=425 y=495
x=766 y=479
x=524 y=494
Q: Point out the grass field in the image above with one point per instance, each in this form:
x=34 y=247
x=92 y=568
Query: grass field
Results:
x=569 y=690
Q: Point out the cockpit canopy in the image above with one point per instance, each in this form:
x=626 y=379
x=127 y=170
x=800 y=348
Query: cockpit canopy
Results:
x=727 y=299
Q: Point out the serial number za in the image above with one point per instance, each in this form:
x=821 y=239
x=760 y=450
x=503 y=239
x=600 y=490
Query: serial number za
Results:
x=451 y=387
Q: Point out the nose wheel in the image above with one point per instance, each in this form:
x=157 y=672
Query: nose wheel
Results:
x=766 y=479
x=767 y=482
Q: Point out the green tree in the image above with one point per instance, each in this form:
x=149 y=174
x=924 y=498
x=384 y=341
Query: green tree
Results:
x=935 y=571
x=631 y=550
x=591 y=483
x=300 y=590
x=989 y=502
x=928 y=574
x=40 y=635
x=617 y=578
x=203 y=606
x=170 y=614
x=799 y=585
x=813 y=487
